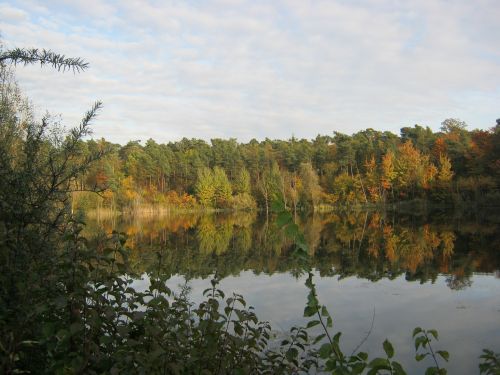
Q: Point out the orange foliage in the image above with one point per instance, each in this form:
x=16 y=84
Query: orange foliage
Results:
x=387 y=170
x=390 y=244
x=373 y=251
x=375 y=221
x=430 y=174
x=439 y=148
x=431 y=237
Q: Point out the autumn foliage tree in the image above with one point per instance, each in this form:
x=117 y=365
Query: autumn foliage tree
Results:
x=367 y=167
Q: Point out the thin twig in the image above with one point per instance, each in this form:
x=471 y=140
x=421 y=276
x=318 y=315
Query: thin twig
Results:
x=367 y=335
x=432 y=351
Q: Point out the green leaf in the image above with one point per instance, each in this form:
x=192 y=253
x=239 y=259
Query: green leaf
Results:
x=388 y=348
x=238 y=329
x=336 y=338
x=331 y=365
x=444 y=354
x=434 y=333
x=312 y=301
x=416 y=331
x=325 y=350
x=363 y=356
x=312 y=323
x=324 y=311
x=358 y=368
x=397 y=368
x=419 y=357
x=309 y=311
x=319 y=338
x=292 y=353
x=421 y=340
x=378 y=364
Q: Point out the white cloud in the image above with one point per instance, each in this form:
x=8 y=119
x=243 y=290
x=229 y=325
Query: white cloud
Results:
x=12 y=14
x=251 y=69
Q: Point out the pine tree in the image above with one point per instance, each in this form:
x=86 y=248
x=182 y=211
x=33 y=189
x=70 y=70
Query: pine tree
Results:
x=205 y=187
x=242 y=183
x=223 y=190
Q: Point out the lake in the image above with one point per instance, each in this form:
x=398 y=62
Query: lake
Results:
x=380 y=273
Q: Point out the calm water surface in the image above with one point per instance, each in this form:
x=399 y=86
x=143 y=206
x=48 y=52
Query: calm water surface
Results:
x=398 y=271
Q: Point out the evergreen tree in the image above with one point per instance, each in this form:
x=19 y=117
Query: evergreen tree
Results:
x=205 y=187
x=222 y=186
x=242 y=184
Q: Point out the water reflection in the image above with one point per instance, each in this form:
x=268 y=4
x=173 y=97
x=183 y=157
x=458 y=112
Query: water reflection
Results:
x=370 y=245
x=374 y=256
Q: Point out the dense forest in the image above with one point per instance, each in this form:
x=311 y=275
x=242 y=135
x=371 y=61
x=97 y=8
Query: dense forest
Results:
x=452 y=166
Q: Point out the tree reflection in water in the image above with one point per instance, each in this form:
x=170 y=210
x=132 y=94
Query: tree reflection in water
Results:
x=370 y=245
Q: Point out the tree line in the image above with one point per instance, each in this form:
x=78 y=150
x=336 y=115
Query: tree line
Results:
x=453 y=165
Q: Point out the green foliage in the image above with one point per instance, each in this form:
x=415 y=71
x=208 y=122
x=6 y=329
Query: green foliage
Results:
x=423 y=347
x=367 y=167
x=270 y=186
x=38 y=164
x=490 y=363
x=242 y=184
x=223 y=190
x=205 y=187
x=453 y=125
x=213 y=188
x=311 y=190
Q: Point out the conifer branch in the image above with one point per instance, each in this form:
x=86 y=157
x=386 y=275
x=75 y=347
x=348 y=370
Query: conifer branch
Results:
x=44 y=57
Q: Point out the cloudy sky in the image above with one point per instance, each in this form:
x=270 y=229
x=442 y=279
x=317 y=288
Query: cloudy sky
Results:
x=256 y=69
